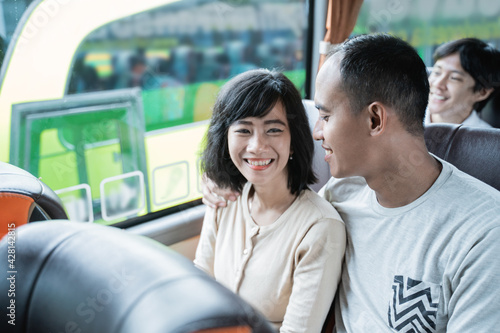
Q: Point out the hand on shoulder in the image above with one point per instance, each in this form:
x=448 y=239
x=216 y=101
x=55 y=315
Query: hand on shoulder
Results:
x=215 y=196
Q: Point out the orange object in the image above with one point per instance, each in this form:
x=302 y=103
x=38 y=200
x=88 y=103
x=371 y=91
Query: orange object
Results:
x=340 y=21
x=15 y=210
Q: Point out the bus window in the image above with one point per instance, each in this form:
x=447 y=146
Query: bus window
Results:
x=92 y=145
x=11 y=12
x=111 y=161
x=427 y=24
x=180 y=54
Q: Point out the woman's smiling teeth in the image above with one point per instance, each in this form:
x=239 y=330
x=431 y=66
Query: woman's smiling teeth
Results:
x=259 y=162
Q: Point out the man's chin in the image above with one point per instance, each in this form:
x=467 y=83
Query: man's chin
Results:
x=437 y=107
x=336 y=173
x=434 y=110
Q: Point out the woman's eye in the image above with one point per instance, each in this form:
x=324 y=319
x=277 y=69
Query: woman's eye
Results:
x=275 y=130
x=454 y=78
x=325 y=118
x=242 y=130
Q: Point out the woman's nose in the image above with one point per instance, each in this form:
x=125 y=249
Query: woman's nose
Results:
x=257 y=143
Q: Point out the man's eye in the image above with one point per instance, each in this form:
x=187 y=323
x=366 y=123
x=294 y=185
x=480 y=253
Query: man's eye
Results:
x=325 y=118
x=455 y=78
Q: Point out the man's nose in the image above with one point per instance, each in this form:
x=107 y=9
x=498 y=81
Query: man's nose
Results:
x=318 y=130
x=438 y=81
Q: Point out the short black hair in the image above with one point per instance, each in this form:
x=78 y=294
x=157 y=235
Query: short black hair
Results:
x=254 y=94
x=477 y=58
x=384 y=68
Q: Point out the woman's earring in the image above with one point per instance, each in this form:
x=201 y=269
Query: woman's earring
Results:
x=291 y=157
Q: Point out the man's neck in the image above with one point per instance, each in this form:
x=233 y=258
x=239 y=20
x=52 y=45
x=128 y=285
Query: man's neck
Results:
x=407 y=177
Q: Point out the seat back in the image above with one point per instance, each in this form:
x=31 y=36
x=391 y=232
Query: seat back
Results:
x=475 y=151
x=25 y=198
x=491 y=111
x=81 y=277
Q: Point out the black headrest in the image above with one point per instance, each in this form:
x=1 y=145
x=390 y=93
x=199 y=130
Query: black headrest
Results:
x=475 y=151
x=491 y=111
x=17 y=180
x=77 y=276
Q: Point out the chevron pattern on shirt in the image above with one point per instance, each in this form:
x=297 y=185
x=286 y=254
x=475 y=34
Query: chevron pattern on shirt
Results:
x=413 y=307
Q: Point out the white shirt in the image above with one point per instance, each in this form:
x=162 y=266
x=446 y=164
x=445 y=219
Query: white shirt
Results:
x=430 y=266
x=472 y=120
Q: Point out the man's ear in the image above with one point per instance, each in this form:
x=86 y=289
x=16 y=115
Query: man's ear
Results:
x=377 y=118
x=483 y=94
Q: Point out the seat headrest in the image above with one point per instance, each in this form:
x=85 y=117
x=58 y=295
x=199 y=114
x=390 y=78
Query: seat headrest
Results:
x=491 y=111
x=24 y=198
x=78 y=276
x=475 y=151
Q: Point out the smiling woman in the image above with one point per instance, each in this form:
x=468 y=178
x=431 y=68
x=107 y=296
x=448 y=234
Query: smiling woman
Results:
x=279 y=246
x=260 y=148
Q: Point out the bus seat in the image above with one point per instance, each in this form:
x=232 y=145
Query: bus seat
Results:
x=475 y=151
x=25 y=198
x=85 y=277
x=320 y=167
x=491 y=111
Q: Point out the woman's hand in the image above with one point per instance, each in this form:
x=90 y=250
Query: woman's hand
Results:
x=214 y=196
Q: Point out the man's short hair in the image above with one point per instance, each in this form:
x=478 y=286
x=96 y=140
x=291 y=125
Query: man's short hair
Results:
x=384 y=68
x=477 y=58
